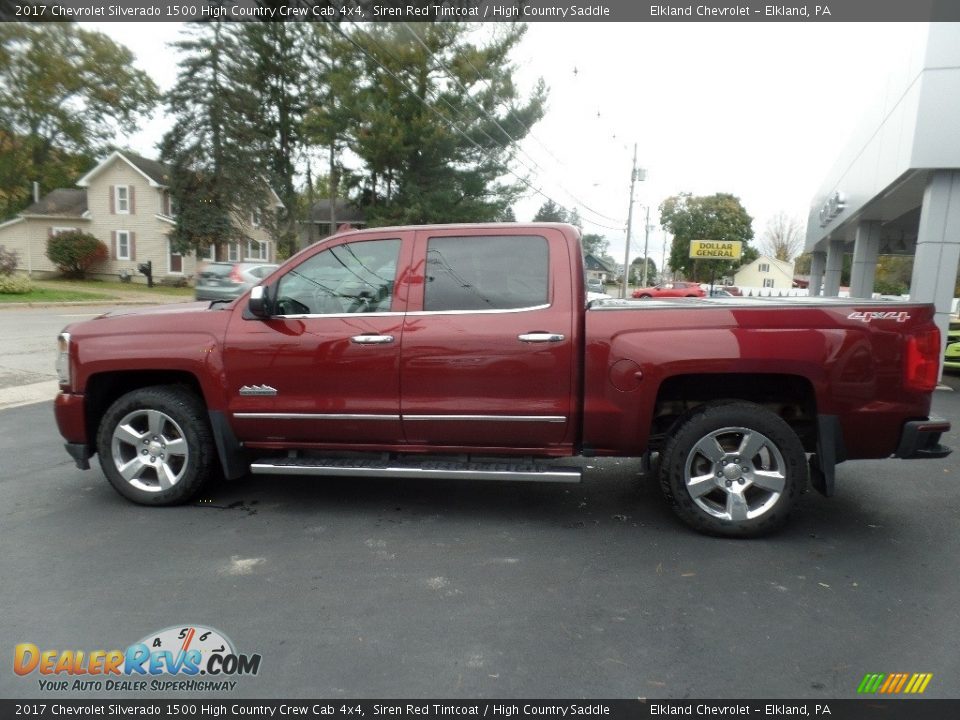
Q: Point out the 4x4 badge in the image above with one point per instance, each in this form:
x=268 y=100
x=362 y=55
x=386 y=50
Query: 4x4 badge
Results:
x=868 y=316
x=258 y=390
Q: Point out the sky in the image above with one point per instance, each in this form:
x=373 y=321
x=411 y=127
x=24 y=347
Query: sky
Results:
x=759 y=110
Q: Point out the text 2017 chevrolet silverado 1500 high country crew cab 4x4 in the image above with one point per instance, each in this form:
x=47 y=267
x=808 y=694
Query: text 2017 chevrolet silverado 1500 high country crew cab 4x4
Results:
x=468 y=351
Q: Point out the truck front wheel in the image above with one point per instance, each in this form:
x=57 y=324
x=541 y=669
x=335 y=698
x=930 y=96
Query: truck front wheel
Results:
x=155 y=445
x=733 y=469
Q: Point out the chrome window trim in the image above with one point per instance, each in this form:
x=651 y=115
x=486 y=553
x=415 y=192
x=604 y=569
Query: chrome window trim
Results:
x=416 y=313
x=314 y=316
x=419 y=313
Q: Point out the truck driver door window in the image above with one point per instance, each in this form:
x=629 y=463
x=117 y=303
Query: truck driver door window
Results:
x=355 y=277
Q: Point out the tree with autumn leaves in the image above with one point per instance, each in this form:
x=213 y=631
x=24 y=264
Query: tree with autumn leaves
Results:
x=66 y=92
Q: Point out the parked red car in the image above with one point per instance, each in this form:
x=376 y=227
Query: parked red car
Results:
x=674 y=289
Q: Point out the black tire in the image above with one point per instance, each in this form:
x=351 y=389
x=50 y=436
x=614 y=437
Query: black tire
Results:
x=733 y=469
x=643 y=297
x=155 y=445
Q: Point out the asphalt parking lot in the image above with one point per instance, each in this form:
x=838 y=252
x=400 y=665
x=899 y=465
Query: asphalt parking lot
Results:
x=471 y=590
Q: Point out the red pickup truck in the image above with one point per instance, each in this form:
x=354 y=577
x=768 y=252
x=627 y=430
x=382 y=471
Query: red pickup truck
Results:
x=469 y=351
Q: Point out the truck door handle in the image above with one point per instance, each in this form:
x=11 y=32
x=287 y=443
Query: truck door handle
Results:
x=372 y=339
x=540 y=337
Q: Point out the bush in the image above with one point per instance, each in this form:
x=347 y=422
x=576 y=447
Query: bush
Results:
x=15 y=285
x=76 y=252
x=8 y=261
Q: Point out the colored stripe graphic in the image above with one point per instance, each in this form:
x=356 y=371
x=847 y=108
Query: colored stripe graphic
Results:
x=894 y=683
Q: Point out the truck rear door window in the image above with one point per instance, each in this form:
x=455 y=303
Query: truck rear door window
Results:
x=486 y=273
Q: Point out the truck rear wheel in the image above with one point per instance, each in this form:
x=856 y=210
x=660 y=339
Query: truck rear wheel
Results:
x=733 y=469
x=155 y=445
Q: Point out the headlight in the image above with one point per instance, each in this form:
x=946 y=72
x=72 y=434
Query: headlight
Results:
x=63 y=360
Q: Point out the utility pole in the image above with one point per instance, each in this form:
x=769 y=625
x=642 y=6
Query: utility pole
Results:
x=646 y=244
x=635 y=175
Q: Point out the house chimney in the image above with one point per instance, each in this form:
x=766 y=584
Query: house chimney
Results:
x=36 y=191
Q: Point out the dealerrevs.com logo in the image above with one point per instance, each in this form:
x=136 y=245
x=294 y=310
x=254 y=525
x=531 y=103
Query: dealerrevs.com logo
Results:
x=179 y=658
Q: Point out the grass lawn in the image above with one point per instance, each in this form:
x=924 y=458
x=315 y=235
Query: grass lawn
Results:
x=112 y=288
x=83 y=290
x=44 y=294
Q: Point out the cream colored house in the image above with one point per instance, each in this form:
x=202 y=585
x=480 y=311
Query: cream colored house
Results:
x=765 y=272
x=125 y=202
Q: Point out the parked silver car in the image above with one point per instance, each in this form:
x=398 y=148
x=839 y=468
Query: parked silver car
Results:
x=227 y=280
x=595 y=285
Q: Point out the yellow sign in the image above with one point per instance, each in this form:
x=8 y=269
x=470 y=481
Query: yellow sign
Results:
x=716 y=249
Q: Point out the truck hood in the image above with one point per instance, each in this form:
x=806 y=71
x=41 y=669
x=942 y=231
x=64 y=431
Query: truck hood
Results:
x=171 y=309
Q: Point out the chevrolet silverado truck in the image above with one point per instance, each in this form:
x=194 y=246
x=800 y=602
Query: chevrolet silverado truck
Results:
x=469 y=351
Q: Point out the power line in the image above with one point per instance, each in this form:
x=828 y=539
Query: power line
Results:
x=446 y=120
x=500 y=127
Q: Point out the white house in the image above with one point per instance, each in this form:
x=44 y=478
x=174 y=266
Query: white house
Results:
x=125 y=202
x=767 y=273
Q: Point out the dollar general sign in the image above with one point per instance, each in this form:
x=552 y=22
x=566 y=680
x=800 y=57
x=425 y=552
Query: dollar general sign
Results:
x=716 y=249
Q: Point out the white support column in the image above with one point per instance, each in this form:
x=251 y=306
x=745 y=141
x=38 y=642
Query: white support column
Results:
x=938 y=247
x=831 y=276
x=866 y=250
x=817 y=264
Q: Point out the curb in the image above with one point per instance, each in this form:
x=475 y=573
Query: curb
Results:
x=90 y=303
x=44 y=391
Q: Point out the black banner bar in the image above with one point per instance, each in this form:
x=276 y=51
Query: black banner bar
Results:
x=197 y=709
x=482 y=10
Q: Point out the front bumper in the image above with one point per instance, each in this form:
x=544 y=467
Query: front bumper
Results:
x=921 y=439
x=68 y=408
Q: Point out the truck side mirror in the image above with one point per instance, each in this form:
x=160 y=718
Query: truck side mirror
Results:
x=257 y=303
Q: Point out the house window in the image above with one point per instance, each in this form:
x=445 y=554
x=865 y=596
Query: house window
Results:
x=233 y=252
x=764 y=267
x=768 y=282
x=166 y=204
x=122 y=199
x=256 y=250
x=255 y=218
x=123 y=244
x=174 y=259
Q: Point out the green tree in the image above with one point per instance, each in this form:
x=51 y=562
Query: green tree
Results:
x=713 y=217
x=551 y=212
x=596 y=245
x=214 y=148
x=65 y=93
x=440 y=121
x=333 y=105
x=636 y=270
x=271 y=69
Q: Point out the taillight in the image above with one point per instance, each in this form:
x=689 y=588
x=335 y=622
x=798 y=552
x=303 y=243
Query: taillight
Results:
x=235 y=275
x=922 y=368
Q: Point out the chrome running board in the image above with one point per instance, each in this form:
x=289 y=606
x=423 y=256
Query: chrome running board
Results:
x=431 y=469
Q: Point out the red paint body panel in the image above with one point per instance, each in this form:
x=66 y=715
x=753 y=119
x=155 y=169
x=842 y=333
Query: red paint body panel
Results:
x=595 y=388
x=854 y=368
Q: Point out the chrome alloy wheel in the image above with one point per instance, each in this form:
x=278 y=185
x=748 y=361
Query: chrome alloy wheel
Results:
x=149 y=450
x=735 y=474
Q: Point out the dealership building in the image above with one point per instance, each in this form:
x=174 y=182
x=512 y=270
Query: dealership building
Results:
x=895 y=189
